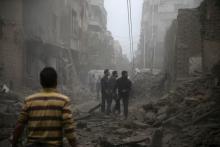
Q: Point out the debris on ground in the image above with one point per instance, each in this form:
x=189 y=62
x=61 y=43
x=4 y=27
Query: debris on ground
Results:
x=10 y=105
x=111 y=131
x=148 y=85
x=188 y=116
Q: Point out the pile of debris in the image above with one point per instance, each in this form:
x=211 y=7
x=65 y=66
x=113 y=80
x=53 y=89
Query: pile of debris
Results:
x=98 y=130
x=10 y=106
x=148 y=85
x=188 y=116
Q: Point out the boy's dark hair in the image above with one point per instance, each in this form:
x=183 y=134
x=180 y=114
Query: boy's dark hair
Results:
x=48 y=77
x=124 y=73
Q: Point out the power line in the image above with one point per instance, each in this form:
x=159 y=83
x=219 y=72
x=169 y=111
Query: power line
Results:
x=132 y=39
x=128 y=10
x=130 y=31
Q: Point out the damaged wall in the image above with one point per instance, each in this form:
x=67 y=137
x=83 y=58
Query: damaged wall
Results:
x=183 y=45
x=210 y=19
x=194 y=40
x=11 y=43
x=53 y=38
x=188 y=41
x=170 y=52
x=157 y=17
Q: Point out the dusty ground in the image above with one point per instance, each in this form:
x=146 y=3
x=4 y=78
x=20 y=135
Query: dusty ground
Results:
x=96 y=128
x=187 y=116
x=184 y=117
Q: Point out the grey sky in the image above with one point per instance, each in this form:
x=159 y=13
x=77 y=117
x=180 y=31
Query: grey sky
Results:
x=118 y=21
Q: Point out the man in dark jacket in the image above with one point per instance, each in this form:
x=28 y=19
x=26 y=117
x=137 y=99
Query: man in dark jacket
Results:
x=105 y=89
x=113 y=92
x=124 y=88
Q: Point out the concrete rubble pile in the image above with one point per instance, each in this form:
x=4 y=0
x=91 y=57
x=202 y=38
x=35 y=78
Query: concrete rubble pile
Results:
x=99 y=130
x=10 y=106
x=188 y=116
x=147 y=85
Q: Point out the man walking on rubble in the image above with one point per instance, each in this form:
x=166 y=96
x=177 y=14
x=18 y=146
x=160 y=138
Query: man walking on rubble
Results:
x=105 y=91
x=124 y=88
x=113 y=92
x=47 y=115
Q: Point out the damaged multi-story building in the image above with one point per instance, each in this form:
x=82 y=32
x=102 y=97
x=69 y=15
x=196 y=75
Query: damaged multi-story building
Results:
x=69 y=35
x=193 y=43
x=53 y=37
x=35 y=34
x=157 y=17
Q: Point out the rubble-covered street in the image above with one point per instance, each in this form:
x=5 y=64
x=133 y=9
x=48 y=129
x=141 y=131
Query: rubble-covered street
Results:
x=161 y=57
x=184 y=117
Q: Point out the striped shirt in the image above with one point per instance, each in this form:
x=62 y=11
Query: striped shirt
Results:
x=48 y=117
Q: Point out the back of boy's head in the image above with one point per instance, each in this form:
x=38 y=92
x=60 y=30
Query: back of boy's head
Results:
x=48 y=77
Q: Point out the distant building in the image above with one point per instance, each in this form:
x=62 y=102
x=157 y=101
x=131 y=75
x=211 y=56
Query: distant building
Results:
x=117 y=52
x=121 y=61
x=100 y=44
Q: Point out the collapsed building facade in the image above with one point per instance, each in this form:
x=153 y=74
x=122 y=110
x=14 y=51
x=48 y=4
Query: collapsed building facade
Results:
x=157 y=16
x=192 y=45
x=181 y=38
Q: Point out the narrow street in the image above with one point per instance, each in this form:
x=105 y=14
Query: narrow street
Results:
x=160 y=57
x=98 y=129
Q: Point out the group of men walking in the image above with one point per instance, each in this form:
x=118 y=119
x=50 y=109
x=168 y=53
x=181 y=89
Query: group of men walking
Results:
x=115 y=89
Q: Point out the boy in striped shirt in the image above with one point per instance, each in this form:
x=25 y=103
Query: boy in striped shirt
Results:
x=47 y=115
